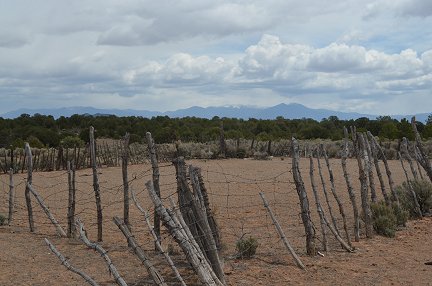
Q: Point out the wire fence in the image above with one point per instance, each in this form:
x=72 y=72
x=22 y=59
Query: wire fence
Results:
x=233 y=187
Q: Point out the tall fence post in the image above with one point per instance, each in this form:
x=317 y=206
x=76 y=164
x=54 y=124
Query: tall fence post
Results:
x=125 y=162
x=11 y=196
x=304 y=202
x=27 y=189
x=318 y=205
x=71 y=199
x=96 y=183
x=362 y=164
x=351 y=192
x=155 y=179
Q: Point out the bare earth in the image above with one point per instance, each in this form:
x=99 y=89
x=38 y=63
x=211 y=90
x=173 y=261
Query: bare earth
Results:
x=233 y=186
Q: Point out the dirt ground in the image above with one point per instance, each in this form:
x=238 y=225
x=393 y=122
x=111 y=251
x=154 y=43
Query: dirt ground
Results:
x=233 y=186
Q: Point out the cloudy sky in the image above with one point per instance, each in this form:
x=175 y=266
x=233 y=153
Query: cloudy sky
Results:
x=369 y=56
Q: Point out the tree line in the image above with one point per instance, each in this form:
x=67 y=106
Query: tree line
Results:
x=46 y=131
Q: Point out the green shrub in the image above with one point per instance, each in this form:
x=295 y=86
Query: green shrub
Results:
x=246 y=248
x=384 y=219
x=400 y=213
x=2 y=219
x=72 y=142
x=423 y=191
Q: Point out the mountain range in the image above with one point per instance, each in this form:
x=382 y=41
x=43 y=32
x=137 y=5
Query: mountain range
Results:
x=288 y=111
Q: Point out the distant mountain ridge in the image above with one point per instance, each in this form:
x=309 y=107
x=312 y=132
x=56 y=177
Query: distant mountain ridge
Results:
x=288 y=111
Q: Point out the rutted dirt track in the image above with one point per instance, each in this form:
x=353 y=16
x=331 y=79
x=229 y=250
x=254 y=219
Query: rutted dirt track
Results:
x=233 y=186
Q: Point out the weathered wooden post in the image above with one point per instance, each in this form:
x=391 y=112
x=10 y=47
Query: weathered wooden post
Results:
x=180 y=232
x=370 y=170
x=70 y=267
x=125 y=162
x=96 y=183
x=11 y=196
x=351 y=192
x=282 y=234
x=201 y=216
x=362 y=163
x=408 y=181
x=155 y=238
x=155 y=179
x=335 y=195
x=422 y=154
x=139 y=252
x=387 y=168
x=330 y=209
x=71 y=199
x=27 y=189
x=304 y=202
x=318 y=205
x=112 y=269
x=374 y=155
x=404 y=147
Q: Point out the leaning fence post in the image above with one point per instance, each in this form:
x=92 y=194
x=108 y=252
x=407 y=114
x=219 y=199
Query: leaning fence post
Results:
x=155 y=238
x=11 y=196
x=422 y=153
x=281 y=233
x=404 y=147
x=96 y=183
x=157 y=278
x=304 y=202
x=27 y=189
x=414 y=196
x=112 y=269
x=318 y=205
x=155 y=178
x=65 y=262
x=59 y=229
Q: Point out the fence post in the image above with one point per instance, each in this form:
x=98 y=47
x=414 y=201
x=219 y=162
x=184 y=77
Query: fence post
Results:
x=404 y=147
x=318 y=205
x=112 y=269
x=157 y=278
x=281 y=233
x=71 y=199
x=125 y=162
x=422 y=154
x=11 y=196
x=387 y=168
x=96 y=183
x=27 y=189
x=350 y=188
x=155 y=238
x=155 y=179
x=65 y=262
x=414 y=196
x=362 y=163
x=335 y=195
x=304 y=202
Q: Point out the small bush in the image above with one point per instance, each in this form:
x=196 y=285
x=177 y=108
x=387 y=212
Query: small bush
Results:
x=384 y=219
x=401 y=214
x=423 y=191
x=2 y=219
x=246 y=248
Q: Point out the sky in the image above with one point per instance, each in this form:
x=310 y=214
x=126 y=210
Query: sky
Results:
x=368 y=56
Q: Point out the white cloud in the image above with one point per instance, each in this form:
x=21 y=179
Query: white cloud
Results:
x=329 y=53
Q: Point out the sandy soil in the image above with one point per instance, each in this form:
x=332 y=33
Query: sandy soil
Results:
x=233 y=186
